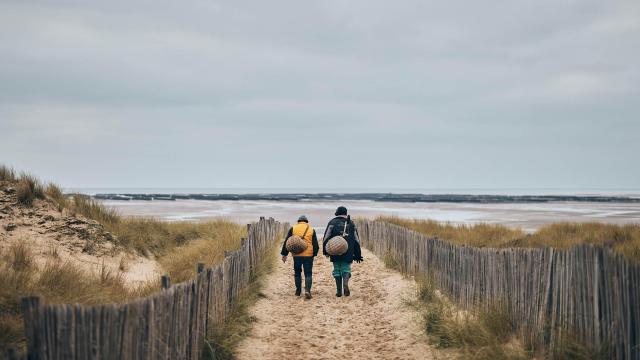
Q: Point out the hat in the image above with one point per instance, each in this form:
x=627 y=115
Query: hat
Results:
x=303 y=218
x=341 y=211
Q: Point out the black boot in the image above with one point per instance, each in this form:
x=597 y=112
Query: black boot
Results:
x=307 y=287
x=298 y=280
x=338 y=286
x=345 y=280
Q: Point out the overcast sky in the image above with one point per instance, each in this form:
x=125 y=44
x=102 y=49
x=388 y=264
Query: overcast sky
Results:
x=349 y=94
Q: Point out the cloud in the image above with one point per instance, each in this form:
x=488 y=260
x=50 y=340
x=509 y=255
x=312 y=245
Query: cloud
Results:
x=463 y=90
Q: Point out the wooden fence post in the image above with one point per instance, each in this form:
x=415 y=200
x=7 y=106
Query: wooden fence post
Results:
x=166 y=281
x=32 y=326
x=169 y=324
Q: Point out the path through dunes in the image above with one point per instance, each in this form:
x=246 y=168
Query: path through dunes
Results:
x=373 y=323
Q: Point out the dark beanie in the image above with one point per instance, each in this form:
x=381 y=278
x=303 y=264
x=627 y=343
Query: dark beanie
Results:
x=303 y=218
x=341 y=211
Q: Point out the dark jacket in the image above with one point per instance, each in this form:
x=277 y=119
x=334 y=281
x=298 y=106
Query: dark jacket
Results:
x=314 y=242
x=335 y=228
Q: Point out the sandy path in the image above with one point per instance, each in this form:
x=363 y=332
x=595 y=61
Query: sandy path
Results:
x=372 y=323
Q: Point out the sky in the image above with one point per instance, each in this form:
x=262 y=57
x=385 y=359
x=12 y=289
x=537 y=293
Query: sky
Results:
x=333 y=94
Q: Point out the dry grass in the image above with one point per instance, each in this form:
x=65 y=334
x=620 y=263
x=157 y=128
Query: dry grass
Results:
x=225 y=337
x=55 y=194
x=178 y=246
x=91 y=209
x=392 y=261
x=182 y=241
x=28 y=189
x=214 y=238
x=480 y=334
x=7 y=173
x=624 y=239
x=56 y=281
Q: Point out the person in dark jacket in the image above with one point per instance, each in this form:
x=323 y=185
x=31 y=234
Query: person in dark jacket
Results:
x=342 y=263
x=305 y=258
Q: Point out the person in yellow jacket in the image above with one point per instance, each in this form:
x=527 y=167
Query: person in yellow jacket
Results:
x=305 y=258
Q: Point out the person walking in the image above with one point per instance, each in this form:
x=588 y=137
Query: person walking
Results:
x=342 y=263
x=303 y=260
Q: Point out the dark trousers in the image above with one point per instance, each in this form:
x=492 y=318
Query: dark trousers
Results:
x=305 y=262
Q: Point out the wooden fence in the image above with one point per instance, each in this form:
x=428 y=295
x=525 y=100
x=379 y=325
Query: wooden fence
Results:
x=171 y=324
x=586 y=291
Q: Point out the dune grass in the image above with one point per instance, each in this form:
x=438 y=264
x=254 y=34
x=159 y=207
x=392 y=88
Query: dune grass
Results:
x=181 y=241
x=7 y=173
x=214 y=238
x=480 y=334
x=56 y=281
x=28 y=189
x=177 y=246
x=624 y=239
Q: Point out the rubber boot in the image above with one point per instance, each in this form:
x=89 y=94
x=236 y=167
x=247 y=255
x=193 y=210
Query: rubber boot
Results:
x=307 y=287
x=298 y=280
x=338 y=286
x=345 y=281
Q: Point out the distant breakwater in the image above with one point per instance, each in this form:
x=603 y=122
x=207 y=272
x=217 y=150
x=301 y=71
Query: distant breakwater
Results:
x=380 y=197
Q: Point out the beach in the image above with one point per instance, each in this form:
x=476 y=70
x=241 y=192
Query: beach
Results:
x=528 y=216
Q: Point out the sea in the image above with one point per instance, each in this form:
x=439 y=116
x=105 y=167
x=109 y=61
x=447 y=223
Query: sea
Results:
x=528 y=216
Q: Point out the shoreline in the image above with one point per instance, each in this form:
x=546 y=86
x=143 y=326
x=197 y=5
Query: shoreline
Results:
x=527 y=216
x=377 y=197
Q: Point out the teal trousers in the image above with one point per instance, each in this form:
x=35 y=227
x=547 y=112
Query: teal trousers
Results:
x=340 y=268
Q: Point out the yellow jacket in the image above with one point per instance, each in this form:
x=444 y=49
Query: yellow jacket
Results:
x=310 y=238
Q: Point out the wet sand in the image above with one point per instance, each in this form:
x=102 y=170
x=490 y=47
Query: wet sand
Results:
x=528 y=216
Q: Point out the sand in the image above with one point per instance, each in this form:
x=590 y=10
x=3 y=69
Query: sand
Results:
x=529 y=216
x=373 y=323
x=60 y=237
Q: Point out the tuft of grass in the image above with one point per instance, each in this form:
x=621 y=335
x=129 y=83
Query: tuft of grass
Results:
x=53 y=192
x=20 y=257
x=29 y=189
x=624 y=239
x=392 y=261
x=571 y=348
x=91 y=209
x=7 y=173
x=486 y=333
x=426 y=289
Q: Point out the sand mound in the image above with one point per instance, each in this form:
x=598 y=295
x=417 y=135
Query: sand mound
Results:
x=62 y=236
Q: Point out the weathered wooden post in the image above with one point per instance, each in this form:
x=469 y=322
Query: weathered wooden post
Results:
x=166 y=281
x=200 y=267
x=32 y=327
